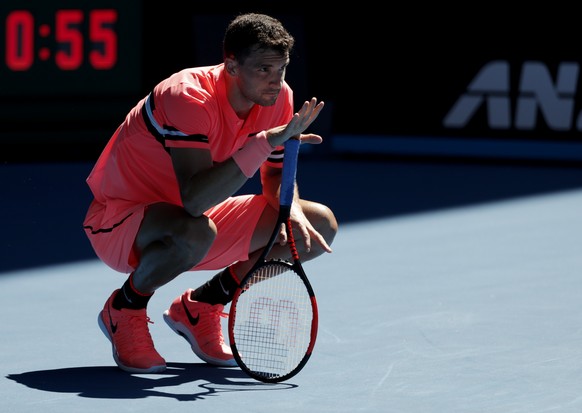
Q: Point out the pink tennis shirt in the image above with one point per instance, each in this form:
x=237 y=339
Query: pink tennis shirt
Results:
x=189 y=109
x=192 y=111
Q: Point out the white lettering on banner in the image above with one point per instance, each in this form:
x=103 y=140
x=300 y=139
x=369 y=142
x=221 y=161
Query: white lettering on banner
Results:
x=537 y=93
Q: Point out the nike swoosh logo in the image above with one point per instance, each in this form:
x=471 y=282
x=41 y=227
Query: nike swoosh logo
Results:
x=112 y=326
x=193 y=320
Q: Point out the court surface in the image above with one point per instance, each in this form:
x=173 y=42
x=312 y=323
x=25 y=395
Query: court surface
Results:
x=471 y=308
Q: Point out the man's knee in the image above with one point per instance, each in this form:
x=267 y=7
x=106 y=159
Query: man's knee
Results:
x=198 y=233
x=323 y=220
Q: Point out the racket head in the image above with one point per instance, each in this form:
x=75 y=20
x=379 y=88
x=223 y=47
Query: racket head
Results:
x=273 y=321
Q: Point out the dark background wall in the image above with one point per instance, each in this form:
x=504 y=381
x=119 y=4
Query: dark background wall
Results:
x=385 y=71
x=390 y=76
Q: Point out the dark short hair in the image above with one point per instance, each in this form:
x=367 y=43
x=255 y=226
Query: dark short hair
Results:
x=254 y=31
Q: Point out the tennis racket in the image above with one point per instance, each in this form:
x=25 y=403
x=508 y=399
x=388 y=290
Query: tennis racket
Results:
x=273 y=316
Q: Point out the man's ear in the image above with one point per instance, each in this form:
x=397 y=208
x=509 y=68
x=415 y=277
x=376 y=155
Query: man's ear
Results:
x=231 y=66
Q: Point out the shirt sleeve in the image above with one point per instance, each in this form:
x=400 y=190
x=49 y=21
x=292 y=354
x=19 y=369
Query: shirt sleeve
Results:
x=188 y=110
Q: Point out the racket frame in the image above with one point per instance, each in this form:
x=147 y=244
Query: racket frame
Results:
x=286 y=199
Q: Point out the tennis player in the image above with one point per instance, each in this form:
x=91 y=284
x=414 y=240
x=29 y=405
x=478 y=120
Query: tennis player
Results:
x=164 y=192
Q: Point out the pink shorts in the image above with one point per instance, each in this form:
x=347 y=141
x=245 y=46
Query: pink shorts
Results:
x=112 y=230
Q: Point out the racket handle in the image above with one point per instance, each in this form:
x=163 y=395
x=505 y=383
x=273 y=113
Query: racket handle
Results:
x=289 y=171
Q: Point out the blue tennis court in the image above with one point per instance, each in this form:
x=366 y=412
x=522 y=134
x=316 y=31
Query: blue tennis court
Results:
x=469 y=303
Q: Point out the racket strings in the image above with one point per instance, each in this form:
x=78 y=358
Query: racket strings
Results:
x=273 y=321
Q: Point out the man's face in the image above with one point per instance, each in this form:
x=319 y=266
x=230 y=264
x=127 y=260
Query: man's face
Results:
x=261 y=76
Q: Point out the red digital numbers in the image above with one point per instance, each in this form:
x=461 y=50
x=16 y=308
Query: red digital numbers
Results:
x=19 y=40
x=101 y=31
x=68 y=36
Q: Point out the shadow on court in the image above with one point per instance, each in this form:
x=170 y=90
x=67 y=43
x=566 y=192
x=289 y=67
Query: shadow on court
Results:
x=112 y=383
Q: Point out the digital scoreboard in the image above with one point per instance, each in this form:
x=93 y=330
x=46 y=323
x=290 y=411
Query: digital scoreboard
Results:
x=70 y=47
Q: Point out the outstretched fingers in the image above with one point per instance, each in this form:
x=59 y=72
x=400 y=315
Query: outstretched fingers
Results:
x=299 y=122
x=310 y=110
x=305 y=116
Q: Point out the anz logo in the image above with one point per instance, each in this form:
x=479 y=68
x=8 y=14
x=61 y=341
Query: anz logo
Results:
x=537 y=93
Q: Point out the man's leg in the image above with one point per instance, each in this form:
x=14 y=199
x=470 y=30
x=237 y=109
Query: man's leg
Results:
x=196 y=314
x=321 y=218
x=169 y=241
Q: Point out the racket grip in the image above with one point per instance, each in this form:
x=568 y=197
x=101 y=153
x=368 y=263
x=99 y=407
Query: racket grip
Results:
x=289 y=171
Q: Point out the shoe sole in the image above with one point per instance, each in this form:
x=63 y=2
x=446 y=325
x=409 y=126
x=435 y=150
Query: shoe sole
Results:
x=182 y=331
x=153 y=369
